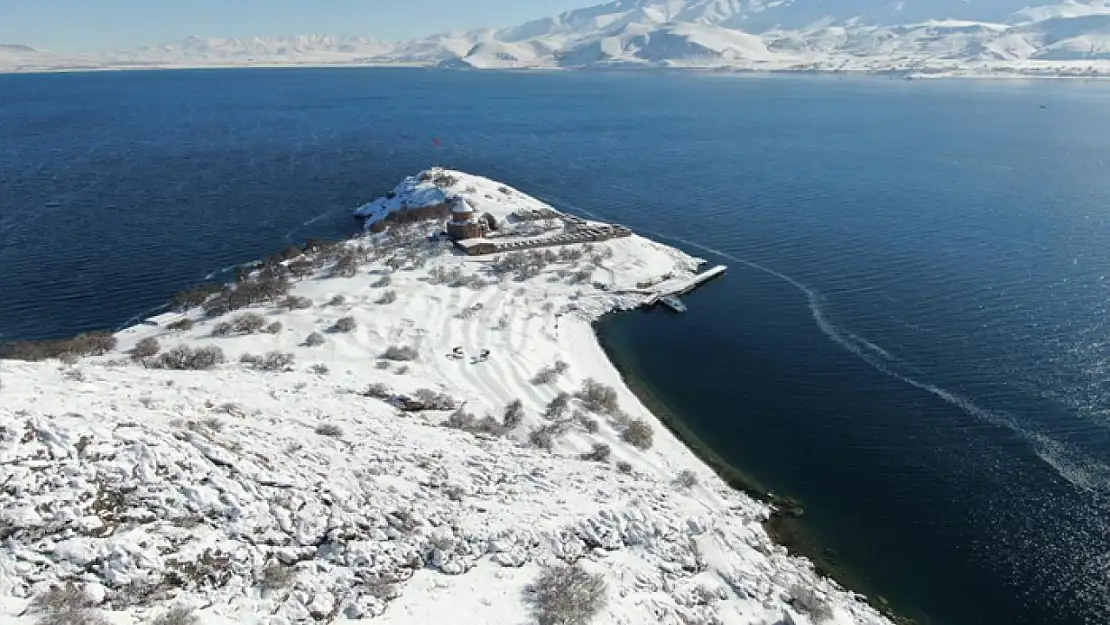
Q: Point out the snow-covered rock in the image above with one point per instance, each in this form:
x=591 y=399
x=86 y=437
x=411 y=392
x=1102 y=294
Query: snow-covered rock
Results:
x=221 y=489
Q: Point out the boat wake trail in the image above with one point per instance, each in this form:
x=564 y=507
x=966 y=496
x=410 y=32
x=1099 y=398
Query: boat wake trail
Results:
x=288 y=236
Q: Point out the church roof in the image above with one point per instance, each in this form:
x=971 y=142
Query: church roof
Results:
x=462 y=206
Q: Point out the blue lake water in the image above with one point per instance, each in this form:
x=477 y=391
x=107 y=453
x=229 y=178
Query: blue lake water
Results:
x=913 y=338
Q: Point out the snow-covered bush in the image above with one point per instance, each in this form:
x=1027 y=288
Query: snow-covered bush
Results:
x=378 y=391
x=346 y=324
x=277 y=576
x=181 y=325
x=557 y=407
x=274 y=328
x=547 y=375
x=65 y=605
x=431 y=400
x=177 y=615
x=624 y=466
x=145 y=348
x=599 y=453
x=514 y=414
x=297 y=302
x=401 y=354
x=638 y=434
x=272 y=361
x=686 y=479
x=338 y=300
x=805 y=600
x=566 y=595
x=329 y=429
x=246 y=323
x=598 y=397
x=382 y=282
x=388 y=297
x=184 y=358
x=314 y=340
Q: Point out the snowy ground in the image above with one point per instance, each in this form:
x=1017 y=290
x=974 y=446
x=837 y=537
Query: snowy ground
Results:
x=219 y=489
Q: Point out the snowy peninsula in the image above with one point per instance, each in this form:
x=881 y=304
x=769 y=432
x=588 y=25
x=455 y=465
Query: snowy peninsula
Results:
x=385 y=429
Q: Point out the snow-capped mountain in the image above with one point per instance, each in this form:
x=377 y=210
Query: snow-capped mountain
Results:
x=938 y=36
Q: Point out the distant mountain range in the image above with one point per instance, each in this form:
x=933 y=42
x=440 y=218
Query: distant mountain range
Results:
x=903 y=36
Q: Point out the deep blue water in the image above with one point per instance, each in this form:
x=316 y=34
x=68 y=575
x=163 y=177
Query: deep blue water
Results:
x=912 y=339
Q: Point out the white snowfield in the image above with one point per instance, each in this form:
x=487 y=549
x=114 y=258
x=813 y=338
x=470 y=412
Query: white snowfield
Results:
x=153 y=488
x=1000 y=38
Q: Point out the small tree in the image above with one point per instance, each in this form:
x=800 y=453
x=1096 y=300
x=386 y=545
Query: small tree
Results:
x=388 y=297
x=686 y=479
x=566 y=595
x=274 y=328
x=181 y=325
x=514 y=414
x=297 y=302
x=314 y=340
x=184 y=358
x=599 y=453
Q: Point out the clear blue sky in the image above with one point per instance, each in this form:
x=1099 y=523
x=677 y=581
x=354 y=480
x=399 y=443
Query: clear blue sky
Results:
x=96 y=25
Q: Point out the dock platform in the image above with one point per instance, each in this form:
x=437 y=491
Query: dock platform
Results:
x=681 y=287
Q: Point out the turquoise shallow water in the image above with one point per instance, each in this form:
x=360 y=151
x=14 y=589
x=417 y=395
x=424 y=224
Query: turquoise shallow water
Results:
x=912 y=337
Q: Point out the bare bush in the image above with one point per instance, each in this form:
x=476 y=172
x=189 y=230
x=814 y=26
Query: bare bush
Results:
x=346 y=264
x=302 y=268
x=344 y=325
x=274 y=328
x=177 y=615
x=184 y=358
x=686 y=478
x=514 y=414
x=432 y=400
x=624 y=467
x=320 y=369
x=401 y=354
x=388 y=297
x=314 y=340
x=265 y=285
x=547 y=375
x=277 y=576
x=145 y=348
x=297 y=302
x=378 y=391
x=65 y=605
x=638 y=434
x=193 y=297
x=599 y=453
x=566 y=595
x=599 y=398
x=329 y=429
x=181 y=325
x=272 y=361
x=557 y=407
x=806 y=600
x=382 y=282
x=338 y=300
x=590 y=425
x=88 y=344
x=246 y=323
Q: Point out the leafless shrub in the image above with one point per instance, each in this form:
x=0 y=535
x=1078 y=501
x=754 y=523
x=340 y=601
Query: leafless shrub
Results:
x=181 y=325
x=599 y=453
x=570 y=254
x=388 y=297
x=88 y=344
x=338 y=300
x=246 y=323
x=65 y=605
x=297 y=302
x=686 y=478
x=274 y=328
x=402 y=370
x=344 y=325
x=383 y=365
x=193 y=297
x=272 y=361
x=314 y=340
x=302 y=268
x=378 y=391
x=581 y=276
x=444 y=180
x=178 y=615
x=329 y=429
x=277 y=576
x=624 y=467
x=806 y=600
x=514 y=414
x=184 y=358
x=543 y=437
x=346 y=263
x=599 y=398
x=432 y=400
x=145 y=348
x=382 y=282
x=320 y=369
x=401 y=354
x=566 y=595
x=267 y=284
x=590 y=425
x=547 y=375
x=557 y=407
x=638 y=434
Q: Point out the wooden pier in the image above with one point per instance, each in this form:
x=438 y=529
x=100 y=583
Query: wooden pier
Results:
x=682 y=287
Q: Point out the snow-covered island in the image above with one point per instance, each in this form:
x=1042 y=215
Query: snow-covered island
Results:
x=383 y=429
